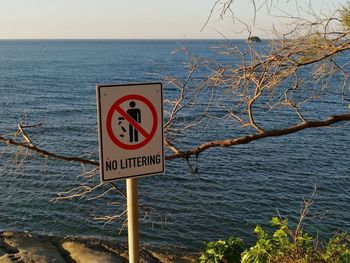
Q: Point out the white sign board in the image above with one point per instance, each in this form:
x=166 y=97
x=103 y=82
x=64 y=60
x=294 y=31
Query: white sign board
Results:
x=130 y=121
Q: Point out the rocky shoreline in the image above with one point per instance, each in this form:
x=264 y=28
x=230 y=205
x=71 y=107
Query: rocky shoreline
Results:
x=32 y=248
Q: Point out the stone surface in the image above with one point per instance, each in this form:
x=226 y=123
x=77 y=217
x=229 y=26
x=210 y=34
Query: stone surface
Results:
x=83 y=254
x=7 y=259
x=167 y=258
x=24 y=247
x=28 y=248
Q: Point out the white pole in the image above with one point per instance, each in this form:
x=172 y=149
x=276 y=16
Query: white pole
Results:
x=133 y=220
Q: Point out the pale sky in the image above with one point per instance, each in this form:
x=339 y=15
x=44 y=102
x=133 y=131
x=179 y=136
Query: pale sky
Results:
x=136 y=19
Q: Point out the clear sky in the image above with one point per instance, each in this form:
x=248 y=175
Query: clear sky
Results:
x=134 y=19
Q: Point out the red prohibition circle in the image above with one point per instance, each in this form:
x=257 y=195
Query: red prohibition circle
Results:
x=116 y=107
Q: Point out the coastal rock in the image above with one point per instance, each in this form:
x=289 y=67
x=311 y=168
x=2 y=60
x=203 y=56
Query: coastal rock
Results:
x=5 y=259
x=83 y=254
x=23 y=247
x=32 y=248
x=168 y=258
x=254 y=39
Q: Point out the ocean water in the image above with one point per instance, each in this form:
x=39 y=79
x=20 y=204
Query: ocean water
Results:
x=53 y=83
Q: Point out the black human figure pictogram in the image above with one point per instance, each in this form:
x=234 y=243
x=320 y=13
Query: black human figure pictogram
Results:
x=134 y=113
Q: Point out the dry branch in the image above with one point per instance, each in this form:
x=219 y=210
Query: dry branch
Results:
x=254 y=137
x=45 y=153
x=200 y=148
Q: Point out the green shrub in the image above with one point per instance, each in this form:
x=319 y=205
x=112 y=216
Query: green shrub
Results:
x=223 y=251
x=285 y=245
x=337 y=249
x=295 y=246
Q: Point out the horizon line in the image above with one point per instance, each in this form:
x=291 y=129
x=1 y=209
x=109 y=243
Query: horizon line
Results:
x=127 y=39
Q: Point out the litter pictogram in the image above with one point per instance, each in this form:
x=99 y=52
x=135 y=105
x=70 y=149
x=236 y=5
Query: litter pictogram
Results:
x=134 y=119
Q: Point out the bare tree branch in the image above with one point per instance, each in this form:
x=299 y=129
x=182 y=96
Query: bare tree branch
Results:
x=45 y=153
x=254 y=137
x=200 y=148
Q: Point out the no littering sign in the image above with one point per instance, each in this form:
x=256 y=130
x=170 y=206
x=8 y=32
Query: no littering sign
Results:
x=130 y=130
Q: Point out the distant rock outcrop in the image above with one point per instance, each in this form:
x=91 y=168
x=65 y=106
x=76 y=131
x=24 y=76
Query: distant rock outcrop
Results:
x=254 y=39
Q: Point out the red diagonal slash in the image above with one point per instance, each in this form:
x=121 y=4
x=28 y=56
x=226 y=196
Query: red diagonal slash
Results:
x=135 y=124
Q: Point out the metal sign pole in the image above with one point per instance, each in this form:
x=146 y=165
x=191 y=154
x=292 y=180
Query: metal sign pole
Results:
x=133 y=220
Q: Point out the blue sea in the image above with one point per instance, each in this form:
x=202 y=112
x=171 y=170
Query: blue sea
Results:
x=53 y=83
